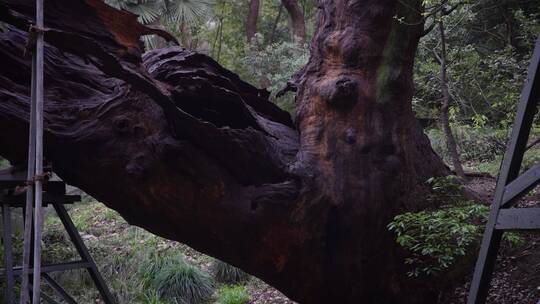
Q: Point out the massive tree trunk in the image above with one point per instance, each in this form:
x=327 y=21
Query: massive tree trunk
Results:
x=184 y=148
x=297 y=21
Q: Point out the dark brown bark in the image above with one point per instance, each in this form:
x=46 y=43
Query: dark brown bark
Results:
x=296 y=20
x=451 y=145
x=184 y=148
x=219 y=34
x=276 y=22
x=251 y=20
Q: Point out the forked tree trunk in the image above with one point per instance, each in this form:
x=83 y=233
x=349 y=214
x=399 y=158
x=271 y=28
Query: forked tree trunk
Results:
x=184 y=148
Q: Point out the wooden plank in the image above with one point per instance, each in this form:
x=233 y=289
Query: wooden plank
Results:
x=519 y=219
x=18 y=201
x=50 y=186
x=521 y=185
x=54 y=267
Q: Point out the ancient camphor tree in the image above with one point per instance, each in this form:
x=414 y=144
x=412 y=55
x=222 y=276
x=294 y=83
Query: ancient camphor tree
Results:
x=184 y=148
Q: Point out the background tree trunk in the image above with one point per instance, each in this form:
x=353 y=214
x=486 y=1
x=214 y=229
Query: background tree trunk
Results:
x=184 y=148
x=445 y=122
x=276 y=22
x=251 y=20
x=297 y=22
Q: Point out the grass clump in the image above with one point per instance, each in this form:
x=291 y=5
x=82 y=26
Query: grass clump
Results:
x=175 y=280
x=226 y=273
x=3 y=163
x=233 y=295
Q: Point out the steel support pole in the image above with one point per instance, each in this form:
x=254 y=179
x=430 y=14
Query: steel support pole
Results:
x=24 y=299
x=38 y=212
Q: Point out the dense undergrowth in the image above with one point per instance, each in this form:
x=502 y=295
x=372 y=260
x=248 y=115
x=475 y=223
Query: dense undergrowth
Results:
x=481 y=148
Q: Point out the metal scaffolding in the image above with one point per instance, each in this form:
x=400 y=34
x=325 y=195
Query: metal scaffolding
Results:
x=54 y=194
x=36 y=197
x=35 y=165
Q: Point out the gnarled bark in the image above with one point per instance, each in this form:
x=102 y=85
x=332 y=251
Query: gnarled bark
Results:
x=184 y=148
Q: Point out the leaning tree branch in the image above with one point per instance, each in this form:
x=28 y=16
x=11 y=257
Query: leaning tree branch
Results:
x=173 y=141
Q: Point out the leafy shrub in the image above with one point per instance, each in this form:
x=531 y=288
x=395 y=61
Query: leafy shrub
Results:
x=233 y=295
x=437 y=238
x=446 y=189
x=226 y=273
x=176 y=280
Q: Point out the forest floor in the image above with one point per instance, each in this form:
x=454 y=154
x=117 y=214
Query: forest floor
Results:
x=516 y=279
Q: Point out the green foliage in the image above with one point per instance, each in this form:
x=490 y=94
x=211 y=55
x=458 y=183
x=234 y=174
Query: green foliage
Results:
x=486 y=63
x=176 y=280
x=274 y=65
x=475 y=144
x=152 y=297
x=3 y=163
x=129 y=258
x=233 y=295
x=226 y=273
x=436 y=239
x=180 y=17
x=446 y=189
x=189 y=12
x=481 y=148
x=530 y=158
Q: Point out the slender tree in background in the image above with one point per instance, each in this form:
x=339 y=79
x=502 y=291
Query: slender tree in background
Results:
x=275 y=24
x=445 y=121
x=251 y=20
x=184 y=148
x=216 y=47
x=297 y=21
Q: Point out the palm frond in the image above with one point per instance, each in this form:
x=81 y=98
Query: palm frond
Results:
x=186 y=12
x=147 y=10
